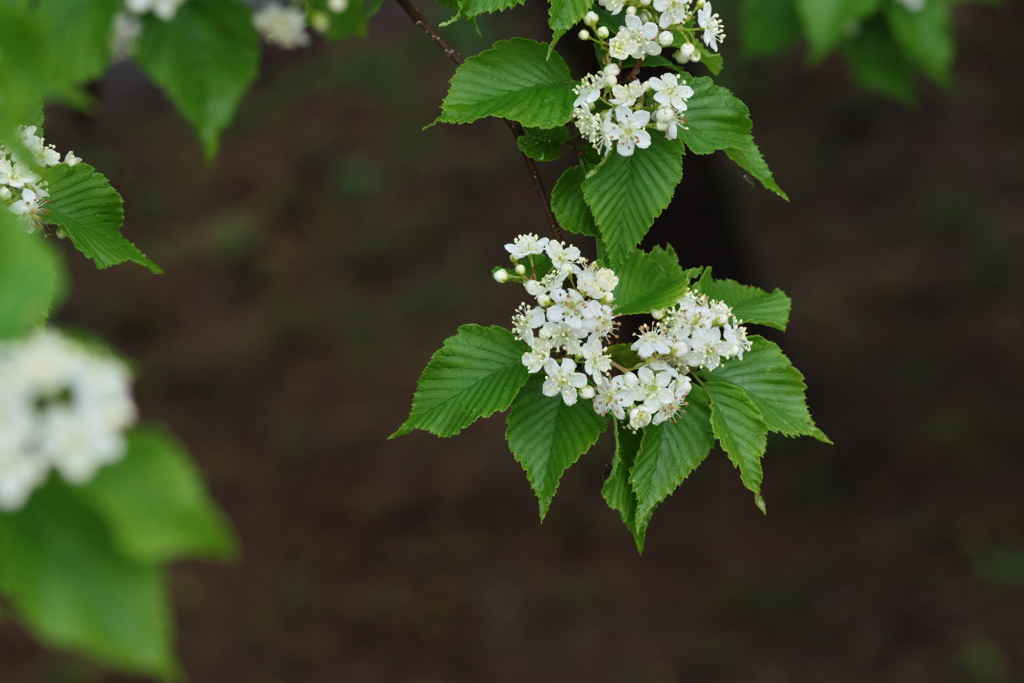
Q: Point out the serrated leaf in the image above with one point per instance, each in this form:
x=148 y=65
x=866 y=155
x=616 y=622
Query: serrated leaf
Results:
x=155 y=503
x=568 y=205
x=564 y=14
x=204 y=59
x=649 y=281
x=512 y=80
x=626 y=193
x=90 y=211
x=749 y=304
x=926 y=36
x=712 y=61
x=79 y=33
x=474 y=8
x=775 y=387
x=827 y=22
x=668 y=454
x=69 y=585
x=547 y=436
x=475 y=374
x=741 y=430
x=768 y=27
x=879 y=64
x=543 y=144
x=617 y=491
x=31 y=278
x=718 y=120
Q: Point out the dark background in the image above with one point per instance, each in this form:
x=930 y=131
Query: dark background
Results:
x=333 y=245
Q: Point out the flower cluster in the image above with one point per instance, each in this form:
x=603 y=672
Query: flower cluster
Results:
x=22 y=190
x=572 y=320
x=612 y=109
x=285 y=26
x=62 y=406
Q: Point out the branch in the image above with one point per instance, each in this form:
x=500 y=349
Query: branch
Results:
x=517 y=130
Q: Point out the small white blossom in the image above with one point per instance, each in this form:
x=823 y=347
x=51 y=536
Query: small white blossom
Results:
x=524 y=245
x=589 y=90
x=672 y=12
x=563 y=379
x=282 y=26
x=629 y=131
x=714 y=32
x=613 y=6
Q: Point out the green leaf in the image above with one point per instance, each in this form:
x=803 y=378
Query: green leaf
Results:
x=70 y=586
x=926 y=37
x=543 y=144
x=711 y=60
x=749 y=304
x=474 y=8
x=718 y=120
x=827 y=22
x=351 y=22
x=626 y=194
x=617 y=491
x=204 y=59
x=774 y=386
x=89 y=210
x=740 y=428
x=767 y=27
x=879 y=64
x=155 y=504
x=564 y=14
x=31 y=278
x=649 y=281
x=475 y=374
x=513 y=80
x=624 y=355
x=79 y=33
x=568 y=205
x=546 y=436
x=668 y=454
x=24 y=78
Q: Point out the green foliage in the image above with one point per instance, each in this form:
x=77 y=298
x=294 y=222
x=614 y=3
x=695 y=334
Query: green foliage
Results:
x=84 y=205
x=79 y=33
x=668 y=454
x=547 y=436
x=568 y=204
x=774 y=387
x=564 y=14
x=31 y=278
x=155 y=504
x=767 y=27
x=649 y=281
x=543 y=144
x=926 y=37
x=476 y=373
x=512 y=80
x=617 y=490
x=626 y=193
x=749 y=304
x=351 y=22
x=879 y=64
x=204 y=59
x=718 y=120
x=67 y=581
x=740 y=429
x=25 y=76
x=826 y=22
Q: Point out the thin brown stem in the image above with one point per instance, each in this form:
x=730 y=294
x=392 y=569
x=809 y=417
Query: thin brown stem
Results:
x=517 y=130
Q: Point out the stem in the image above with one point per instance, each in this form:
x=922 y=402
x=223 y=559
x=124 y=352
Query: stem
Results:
x=517 y=130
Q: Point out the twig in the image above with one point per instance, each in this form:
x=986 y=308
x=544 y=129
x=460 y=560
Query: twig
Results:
x=517 y=130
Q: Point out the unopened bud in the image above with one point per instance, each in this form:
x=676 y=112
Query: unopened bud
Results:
x=603 y=32
x=584 y=34
x=607 y=299
x=695 y=57
x=665 y=38
x=631 y=10
x=544 y=300
x=520 y=269
x=587 y=392
x=590 y=18
x=658 y=314
x=337 y=6
x=501 y=275
x=320 y=21
x=612 y=70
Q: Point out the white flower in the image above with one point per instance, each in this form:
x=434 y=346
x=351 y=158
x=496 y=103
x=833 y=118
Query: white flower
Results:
x=337 y=6
x=562 y=256
x=613 y=6
x=641 y=37
x=596 y=361
x=126 y=31
x=588 y=90
x=563 y=379
x=282 y=26
x=165 y=9
x=527 y=244
x=672 y=11
x=669 y=91
x=62 y=406
x=626 y=95
x=651 y=342
x=714 y=32
x=629 y=132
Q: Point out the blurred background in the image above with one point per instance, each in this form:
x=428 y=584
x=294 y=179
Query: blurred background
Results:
x=315 y=266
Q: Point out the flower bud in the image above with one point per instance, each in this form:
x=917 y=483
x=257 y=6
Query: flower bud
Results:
x=607 y=299
x=501 y=275
x=590 y=18
x=612 y=70
x=587 y=392
x=584 y=34
x=320 y=21
x=631 y=10
x=696 y=56
x=658 y=314
x=665 y=38
x=337 y=6
x=544 y=301
x=520 y=269
x=603 y=32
